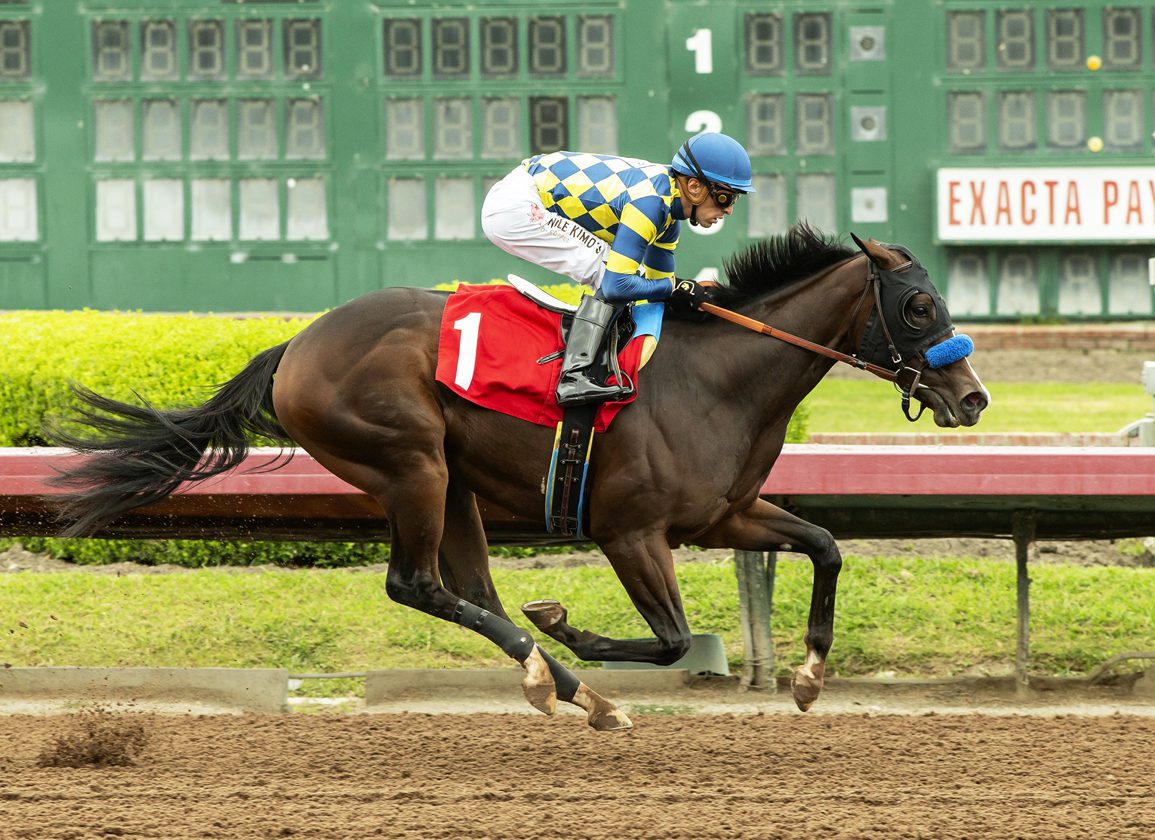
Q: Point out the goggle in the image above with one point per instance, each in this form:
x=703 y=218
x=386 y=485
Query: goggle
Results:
x=724 y=198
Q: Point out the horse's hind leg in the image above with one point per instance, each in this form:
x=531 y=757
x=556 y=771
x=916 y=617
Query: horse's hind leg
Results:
x=464 y=565
x=416 y=508
x=359 y=396
x=415 y=505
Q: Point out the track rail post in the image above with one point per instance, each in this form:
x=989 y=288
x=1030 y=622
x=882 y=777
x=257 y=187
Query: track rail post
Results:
x=755 y=572
x=1023 y=529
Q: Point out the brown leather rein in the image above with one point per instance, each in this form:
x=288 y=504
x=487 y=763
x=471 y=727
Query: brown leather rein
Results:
x=790 y=338
x=906 y=379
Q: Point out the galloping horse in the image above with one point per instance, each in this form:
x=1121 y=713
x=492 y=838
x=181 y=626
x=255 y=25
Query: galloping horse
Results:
x=682 y=464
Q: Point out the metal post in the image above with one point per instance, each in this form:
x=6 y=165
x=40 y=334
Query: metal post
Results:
x=1147 y=429
x=1143 y=428
x=1024 y=534
x=770 y=571
x=755 y=573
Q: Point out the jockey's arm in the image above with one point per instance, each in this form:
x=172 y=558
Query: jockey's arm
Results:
x=635 y=241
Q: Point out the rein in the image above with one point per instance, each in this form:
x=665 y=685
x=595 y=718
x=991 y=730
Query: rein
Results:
x=905 y=380
x=790 y=338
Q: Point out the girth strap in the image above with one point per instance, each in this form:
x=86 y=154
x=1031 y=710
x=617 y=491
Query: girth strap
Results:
x=565 y=484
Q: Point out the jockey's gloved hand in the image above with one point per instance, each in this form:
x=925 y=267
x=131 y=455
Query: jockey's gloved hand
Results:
x=687 y=296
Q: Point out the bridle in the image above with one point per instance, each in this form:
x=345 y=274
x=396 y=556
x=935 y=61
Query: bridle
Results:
x=905 y=377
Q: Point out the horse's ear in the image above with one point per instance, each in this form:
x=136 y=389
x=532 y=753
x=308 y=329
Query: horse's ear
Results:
x=874 y=251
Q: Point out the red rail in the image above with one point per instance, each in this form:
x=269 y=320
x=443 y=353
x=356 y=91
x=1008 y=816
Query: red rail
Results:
x=963 y=471
x=852 y=490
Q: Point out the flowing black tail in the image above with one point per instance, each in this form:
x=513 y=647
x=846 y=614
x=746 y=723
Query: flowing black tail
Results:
x=139 y=454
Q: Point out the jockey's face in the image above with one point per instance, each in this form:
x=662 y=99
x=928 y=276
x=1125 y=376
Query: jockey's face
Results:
x=709 y=209
x=722 y=202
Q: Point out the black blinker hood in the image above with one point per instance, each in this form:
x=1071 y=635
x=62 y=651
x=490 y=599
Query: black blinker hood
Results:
x=895 y=289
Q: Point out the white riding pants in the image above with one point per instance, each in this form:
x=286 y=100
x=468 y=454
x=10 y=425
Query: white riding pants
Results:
x=515 y=220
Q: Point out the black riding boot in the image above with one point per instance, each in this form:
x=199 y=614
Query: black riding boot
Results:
x=576 y=386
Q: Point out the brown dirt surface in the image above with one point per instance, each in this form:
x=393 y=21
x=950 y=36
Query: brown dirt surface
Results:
x=1130 y=552
x=518 y=776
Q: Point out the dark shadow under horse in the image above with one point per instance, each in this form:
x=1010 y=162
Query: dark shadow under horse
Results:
x=682 y=465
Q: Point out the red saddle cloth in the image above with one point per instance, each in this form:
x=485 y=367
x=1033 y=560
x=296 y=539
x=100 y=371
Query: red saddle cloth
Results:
x=488 y=350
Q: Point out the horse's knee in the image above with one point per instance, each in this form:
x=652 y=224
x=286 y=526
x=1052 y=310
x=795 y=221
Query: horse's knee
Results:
x=830 y=564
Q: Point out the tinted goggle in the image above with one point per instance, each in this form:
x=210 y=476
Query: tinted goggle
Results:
x=724 y=198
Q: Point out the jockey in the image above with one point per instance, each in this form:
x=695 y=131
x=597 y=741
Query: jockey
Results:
x=612 y=223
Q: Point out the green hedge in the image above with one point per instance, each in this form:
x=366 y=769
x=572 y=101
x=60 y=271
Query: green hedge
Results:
x=196 y=554
x=170 y=360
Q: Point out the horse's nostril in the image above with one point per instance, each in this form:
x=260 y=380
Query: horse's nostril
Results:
x=975 y=401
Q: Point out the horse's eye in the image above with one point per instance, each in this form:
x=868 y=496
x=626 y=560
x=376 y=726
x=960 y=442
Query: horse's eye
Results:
x=919 y=311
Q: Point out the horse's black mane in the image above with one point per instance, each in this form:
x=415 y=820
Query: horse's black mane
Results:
x=778 y=262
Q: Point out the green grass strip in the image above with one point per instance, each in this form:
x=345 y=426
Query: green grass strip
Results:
x=910 y=617
x=867 y=405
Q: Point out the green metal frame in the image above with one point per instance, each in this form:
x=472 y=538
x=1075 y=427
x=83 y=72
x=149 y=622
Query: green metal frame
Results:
x=660 y=94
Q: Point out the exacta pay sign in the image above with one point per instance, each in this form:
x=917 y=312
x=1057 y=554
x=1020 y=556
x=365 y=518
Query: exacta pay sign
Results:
x=1046 y=204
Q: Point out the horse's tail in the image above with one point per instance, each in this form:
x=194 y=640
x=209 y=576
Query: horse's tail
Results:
x=139 y=454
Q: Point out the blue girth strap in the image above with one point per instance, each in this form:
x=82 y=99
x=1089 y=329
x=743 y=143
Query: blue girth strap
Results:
x=568 y=470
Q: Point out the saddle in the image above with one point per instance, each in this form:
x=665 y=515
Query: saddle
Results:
x=500 y=347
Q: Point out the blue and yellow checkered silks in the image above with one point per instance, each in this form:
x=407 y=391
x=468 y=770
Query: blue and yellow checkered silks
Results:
x=625 y=201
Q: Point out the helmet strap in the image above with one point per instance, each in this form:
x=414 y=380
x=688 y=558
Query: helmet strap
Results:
x=688 y=156
x=694 y=205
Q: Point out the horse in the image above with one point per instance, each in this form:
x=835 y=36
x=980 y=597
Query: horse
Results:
x=682 y=464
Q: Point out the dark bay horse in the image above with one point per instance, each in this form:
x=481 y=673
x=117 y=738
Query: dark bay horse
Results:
x=682 y=464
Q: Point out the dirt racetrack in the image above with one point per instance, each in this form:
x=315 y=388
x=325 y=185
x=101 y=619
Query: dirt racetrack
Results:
x=519 y=776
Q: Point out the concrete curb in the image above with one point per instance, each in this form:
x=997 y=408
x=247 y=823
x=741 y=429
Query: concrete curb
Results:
x=217 y=690
x=385 y=687
x=263 y=690
x=267 y=690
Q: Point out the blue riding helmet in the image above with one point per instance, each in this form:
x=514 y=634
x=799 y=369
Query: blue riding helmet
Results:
x=717 y=159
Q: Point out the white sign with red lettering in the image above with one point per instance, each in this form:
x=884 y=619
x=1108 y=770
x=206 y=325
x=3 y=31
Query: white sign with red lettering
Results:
x=1047 y=204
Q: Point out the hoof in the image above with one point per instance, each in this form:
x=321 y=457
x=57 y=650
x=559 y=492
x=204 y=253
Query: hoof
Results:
x=806 y=685
x=538 y=685
x=613 y=721
x=545 y=613
x=601 y=714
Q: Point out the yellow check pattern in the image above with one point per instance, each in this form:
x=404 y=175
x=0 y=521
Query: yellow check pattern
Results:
x=626 y=202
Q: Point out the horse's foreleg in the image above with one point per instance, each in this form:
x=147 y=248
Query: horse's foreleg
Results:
x=764 y=527
x=464 y=564
x=645 y=568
